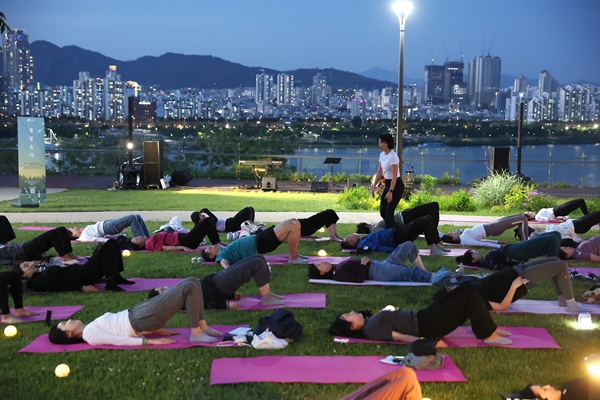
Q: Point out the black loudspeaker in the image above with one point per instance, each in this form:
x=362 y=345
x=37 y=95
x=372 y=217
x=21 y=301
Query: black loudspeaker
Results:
x=153 y=170
x=500 y=159
x=181 y=178
x=322 y=187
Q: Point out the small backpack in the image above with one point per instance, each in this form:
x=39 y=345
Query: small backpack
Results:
x=282 y=324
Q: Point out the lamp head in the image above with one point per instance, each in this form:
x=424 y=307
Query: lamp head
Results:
x=402 y=9
x=129 y=146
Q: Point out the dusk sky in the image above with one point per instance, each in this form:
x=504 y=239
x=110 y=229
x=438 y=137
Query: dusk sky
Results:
x=352 y=35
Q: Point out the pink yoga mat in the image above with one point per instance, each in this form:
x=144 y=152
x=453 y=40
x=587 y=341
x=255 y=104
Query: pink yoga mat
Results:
x=315 y=239
x=318 y=369
x=300 y=300
x=142 y=284
x=584 y=271
x=452 y=253
x=58 y=312
x=523 y=306
x=522 y=337
x=199 y=249
x=464 y=218
x=367 y=283
x=43 y=345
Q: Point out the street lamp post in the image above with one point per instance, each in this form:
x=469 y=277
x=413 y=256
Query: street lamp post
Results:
x=402 y=10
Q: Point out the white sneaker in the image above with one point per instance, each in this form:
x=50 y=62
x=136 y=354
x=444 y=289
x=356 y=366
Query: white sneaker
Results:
x=267 y=340
x=229 y=235
x=235 y=235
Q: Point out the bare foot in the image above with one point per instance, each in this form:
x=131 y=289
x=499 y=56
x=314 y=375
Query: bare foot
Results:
x=90 y=288
x=496 y=339
x=24 y=313
x=237 y=296
x=10 y=319
x=232 y=305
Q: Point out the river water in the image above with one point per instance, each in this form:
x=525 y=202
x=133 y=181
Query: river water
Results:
x=573 y=164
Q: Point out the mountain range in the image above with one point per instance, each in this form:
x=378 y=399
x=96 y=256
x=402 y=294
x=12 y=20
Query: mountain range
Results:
x=60 y=66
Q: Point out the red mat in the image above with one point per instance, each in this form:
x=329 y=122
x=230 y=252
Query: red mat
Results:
x=318 y=369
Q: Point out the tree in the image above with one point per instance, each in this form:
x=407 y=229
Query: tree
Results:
x=356 y=122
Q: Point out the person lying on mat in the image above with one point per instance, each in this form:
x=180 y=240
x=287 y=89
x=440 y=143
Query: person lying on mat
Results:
x=404 y=217
x=588 y=250
x=128 y=327
x=576 y=389
x=399 y=384
x=574 y=227
x=15 y=253
x=232 y=224
x=219 y=288
x=559 y=213
x=179 y=241
x=474 y=236
x=387 y=239
x=439 y=319
x=101 y=231
x=12 y=279
x=506 y=286
x=544 y=245
x=392 y=269
x=6 y=231
x=106 y=262
x=264 y=241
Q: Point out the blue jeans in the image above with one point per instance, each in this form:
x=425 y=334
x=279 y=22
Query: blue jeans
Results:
x=135 y=221
x=394 y=269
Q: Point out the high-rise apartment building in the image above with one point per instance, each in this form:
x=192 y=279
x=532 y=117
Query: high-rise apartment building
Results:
x=573 y=103
x=547 y=84
x=285 y=89
x=483 y=81
x=320 y=91
x=114 y=95
x=455 y=89
x=434 y=84
x=264 y=89
x=520 y=85
x=17 y=73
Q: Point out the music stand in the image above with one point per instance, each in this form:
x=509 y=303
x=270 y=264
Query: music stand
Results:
x=332 y=161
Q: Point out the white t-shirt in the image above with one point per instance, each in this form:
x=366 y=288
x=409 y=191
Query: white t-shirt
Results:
x=386 y=161
x=113 y=329
x=545 y=214
x=473 y=237
x=93 y=233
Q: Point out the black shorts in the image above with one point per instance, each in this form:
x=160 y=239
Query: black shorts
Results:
x=266 y=240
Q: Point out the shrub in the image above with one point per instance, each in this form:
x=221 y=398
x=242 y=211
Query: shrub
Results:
x=535 y=201
x=363 y=178
x=428 y=184
x=446 y=179
x=491 y=191
x=420 y=197
x=458 y=201
x=527 y=198
x=358 y=198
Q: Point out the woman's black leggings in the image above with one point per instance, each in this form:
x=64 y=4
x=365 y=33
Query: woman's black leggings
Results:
x=6 y=231
x=310 y=225
x=585 y=223
x=234 y=223
x=569 y=207
x=410 y=232
x=58 y=238
x=452 y=310
x=387 y=210
x=203 y=228
x=106 y=262
x=12 y=279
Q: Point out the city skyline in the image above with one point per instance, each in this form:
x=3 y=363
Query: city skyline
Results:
x=528 y=36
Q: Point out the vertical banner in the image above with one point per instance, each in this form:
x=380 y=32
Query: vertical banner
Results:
x=32 y=161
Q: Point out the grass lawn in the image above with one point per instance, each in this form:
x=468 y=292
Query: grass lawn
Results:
x=154 y=373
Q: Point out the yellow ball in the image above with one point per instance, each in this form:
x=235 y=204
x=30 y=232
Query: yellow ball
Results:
x=62 y=370
x=322 y=230
x=322 y=253
x=10 y=331
x=126 y=253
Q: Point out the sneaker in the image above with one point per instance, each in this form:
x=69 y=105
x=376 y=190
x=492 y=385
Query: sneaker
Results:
x=229 y=235
x=576 y=275
x=267 y=340
x=235 y=235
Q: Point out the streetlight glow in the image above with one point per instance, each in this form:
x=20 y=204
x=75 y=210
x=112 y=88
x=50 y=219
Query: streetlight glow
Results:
x=402 y=9
x=129 y=146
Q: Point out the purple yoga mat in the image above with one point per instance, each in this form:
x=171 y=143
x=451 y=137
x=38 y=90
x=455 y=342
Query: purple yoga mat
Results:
x=452 y=253
x=523 y=306
x=584 y=271
x=464 y=218
x=318 y=369
x=42 y=345
x=522 y=337
x=142 y=284
x=315 y=239
x=300 y=300
x=58 y=312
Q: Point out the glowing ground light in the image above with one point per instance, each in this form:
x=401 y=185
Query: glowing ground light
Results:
x=322 y=230
x=62 y=370
x=10 y=331
x=593 y=364
x=584 y=321
x=322 y=253
x=126 y=253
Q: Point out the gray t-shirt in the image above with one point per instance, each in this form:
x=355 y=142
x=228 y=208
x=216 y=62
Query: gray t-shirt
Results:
x=381 y=325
